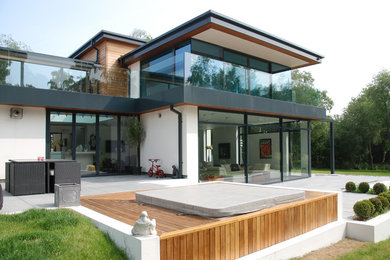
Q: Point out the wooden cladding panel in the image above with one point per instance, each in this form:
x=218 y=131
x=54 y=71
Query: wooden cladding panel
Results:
x=235 y=237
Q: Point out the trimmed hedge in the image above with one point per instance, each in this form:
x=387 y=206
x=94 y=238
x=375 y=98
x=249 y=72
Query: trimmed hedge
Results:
x=350 y=186
x=364 y=187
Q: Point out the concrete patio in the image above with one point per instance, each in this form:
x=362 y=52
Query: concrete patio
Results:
x=114 y=184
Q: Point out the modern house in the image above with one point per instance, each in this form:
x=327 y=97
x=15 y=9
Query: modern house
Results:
x=213 y=94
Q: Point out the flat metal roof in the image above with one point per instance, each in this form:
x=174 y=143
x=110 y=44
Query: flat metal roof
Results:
x=212 y=19
x=109 y=35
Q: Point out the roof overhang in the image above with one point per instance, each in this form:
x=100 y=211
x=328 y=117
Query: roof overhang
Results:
x=103 y=34
x=223 y=31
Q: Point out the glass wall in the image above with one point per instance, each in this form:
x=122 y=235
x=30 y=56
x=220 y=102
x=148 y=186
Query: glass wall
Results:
x=223 y=137
x=93 y=140
x=86 y=141
x=206 y=65
x=61 y=135
x=220 y=146
x=296 y=149
x=127 y=152
x=263 y=149
x=109 y=145
x=164 y=71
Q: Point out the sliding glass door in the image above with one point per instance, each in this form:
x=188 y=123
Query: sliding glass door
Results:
x=97 y=141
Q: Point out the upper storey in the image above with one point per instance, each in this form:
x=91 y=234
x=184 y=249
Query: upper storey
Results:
x=228 y=33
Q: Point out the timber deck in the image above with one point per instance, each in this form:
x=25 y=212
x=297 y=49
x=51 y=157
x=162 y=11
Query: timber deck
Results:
x=123 y=207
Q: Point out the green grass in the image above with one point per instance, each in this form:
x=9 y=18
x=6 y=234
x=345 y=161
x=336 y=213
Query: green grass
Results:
x=376 y=251
x=354 y=172
x=53 y=234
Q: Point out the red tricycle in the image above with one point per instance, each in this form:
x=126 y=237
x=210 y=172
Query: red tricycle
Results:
x=154 y=170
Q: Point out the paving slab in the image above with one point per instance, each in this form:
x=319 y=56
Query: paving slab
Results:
x=89 y=186
x=335 y=182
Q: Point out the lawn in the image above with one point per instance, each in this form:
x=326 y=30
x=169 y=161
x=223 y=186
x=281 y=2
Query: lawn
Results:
x=376 y=251
x=354 y=172
x=53 y=234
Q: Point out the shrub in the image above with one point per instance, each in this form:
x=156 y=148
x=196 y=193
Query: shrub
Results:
x=364 y=187
x=363 y=209
x=385 y=195
x=385 y=202
x=350 y=186
x=379 y=188
x=377 y=204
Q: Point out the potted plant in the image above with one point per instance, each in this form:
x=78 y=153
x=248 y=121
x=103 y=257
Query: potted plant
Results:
x=135 y=135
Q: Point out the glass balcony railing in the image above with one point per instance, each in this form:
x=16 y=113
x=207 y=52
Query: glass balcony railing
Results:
x=33 y=70
x=205 y=72
x=187 y=69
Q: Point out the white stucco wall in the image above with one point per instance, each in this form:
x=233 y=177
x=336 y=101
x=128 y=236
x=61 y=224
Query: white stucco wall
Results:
x=21 y=138
x=162 y=140
x=135 y=80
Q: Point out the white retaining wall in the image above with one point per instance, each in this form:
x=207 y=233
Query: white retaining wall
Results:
x=21 y=138
x=136 y=247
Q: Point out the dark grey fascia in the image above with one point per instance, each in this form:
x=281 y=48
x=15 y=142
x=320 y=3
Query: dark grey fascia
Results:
x=65 y=100
x=232 y=101
x=219 y=19
x=204 y=97
x=198 y=96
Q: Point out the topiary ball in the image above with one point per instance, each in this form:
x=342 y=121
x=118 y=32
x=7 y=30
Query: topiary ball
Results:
x=364 y=187
x=363 y=209
x=377 y=204
x=350 y=186
x=385 y=202
x=379 y=188
x=385 y=195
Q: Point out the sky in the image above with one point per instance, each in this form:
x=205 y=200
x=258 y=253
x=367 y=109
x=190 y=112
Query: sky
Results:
x=352 y=35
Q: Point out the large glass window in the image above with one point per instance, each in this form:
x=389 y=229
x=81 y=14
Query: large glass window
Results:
x=86 y=142
x=220 y=146
x=127 y=152
x=295 y=149
x=236 y=149
x=97 y=151
x=263 y=149
x=61 y=135
x=109 y=144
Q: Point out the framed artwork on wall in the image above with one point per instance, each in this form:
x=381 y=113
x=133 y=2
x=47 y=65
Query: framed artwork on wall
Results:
x=265 y=148
x=224 y=151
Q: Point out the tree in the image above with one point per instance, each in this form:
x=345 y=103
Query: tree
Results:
x=8 y=42
x=363 y=131
x=141 y=34
x=378 y=95
x=306 y=93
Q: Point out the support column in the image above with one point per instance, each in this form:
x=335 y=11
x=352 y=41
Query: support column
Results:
x=331 y=147
x=281 y=146
x=190 y=152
